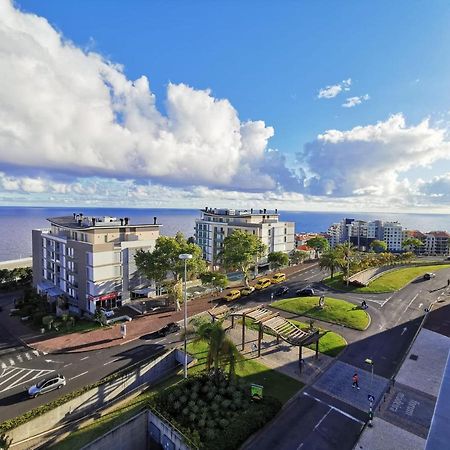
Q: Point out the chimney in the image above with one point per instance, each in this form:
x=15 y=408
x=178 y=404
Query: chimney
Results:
x=93 y=221
x=260 y=211
x=206 y=209
x=276 y=210
x=79 y=222
x=74 y=215
x=126 y=220
x=154 y=220
x=81 y=215
x=251 y=211
x=121 y=222
x=265 y=210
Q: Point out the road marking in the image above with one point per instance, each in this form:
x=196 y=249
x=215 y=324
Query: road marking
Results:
x=19 y=357
x=67 y=365
x=420 y=305
x=409 y=304
x=27 y=356
x=322 y=419
x=12 y=376
x=333 y=407
x=17 y=382
x=130 y=340
x=110 y=362
x=4 y=366
x=86 y=357
x=11 y=362
x=52 y=361
x=36 y=352
x=404 y=331
x=79 y=375
x=24 y=376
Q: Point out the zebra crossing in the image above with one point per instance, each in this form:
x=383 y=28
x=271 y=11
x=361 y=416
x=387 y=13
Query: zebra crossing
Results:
x=17 y=358
x=13 y=376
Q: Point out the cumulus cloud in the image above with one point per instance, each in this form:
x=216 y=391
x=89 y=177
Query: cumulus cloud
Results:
x=368 y=160
x=353 y=101
x=335 y=89
x=69 y=111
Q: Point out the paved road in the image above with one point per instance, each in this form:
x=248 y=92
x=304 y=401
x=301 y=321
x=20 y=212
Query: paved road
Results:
x=330 y=414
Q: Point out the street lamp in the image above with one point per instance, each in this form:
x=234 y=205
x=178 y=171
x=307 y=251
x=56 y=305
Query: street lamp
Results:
x=185 y=257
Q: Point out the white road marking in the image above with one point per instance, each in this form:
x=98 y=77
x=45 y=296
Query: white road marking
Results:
x=12 y=376
x=24 y=376
x=19 y=357
x=36 y=352
x=4 y=366
x=27 y=356
x=86 y=357
x=11 y=362
x=67 y=365
x=17 y=382
x=334 y=408
x=322 y=419
x=420 y=305
x=110 y=362
x=79 y=375
x=405 y=329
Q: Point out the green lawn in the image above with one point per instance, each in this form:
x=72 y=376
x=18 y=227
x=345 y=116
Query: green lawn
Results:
x=335 y=311
x=330 y=343
x=275 y=384
x=390 y=282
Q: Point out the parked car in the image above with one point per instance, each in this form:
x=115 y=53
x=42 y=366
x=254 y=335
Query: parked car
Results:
x=281 y=291
x=46 y=385
x=429 y=276
x=170 y=328
x=107 y=312
x=306 y=292
x=262 y=284
x=247 y=290
x=234 y=294
x=279 y=277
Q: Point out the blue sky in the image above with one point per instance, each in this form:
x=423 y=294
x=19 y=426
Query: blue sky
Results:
x=268 y=61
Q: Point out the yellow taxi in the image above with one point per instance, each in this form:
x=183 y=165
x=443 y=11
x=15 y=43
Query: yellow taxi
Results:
x=247 y=290
x=279 y=277
x=262 y=283
x=234 y=294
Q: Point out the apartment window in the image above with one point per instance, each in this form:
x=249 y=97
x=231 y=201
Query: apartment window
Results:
x=106 y=238
x=285 y=239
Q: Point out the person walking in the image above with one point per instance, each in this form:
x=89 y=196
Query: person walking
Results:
x=355 y=379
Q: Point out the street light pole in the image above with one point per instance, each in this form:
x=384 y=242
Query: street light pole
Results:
x=185 y=257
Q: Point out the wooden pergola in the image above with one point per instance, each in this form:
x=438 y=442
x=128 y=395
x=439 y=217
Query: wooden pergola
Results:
x=265 y=318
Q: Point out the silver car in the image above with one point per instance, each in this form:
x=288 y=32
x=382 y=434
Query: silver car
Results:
x=48 y=384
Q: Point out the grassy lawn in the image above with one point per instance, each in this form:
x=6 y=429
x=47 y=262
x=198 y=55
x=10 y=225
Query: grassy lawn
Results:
x=276 y=384
x=335 y=311
x=390 y=282
x=330 y=343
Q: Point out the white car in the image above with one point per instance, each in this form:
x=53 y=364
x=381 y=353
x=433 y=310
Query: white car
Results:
x=46 y=385
x=107 y=312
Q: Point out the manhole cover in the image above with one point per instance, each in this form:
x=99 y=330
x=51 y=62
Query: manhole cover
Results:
x=414 y=357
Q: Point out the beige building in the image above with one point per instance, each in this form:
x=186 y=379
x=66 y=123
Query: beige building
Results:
x=89 y=261
x=215 y=224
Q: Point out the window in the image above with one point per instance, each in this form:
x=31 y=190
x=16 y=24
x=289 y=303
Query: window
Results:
x=106 y=238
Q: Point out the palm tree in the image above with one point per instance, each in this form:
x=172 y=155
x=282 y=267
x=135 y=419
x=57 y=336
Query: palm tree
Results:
x=330 y=260
x=346 y=253
x=221 y=349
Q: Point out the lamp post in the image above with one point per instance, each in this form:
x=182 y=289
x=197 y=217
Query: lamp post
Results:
x=185 y=257
x=370 y=397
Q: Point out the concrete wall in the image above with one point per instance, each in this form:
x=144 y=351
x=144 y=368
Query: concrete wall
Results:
x=132 y=435
x=85 y=404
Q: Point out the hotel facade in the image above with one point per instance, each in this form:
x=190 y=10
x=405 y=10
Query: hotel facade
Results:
x=83 y=263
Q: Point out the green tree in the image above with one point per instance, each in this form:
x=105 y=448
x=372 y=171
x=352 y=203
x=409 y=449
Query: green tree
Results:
x=330 y=260
x=217 y=280
x=298 y=256
x=221 y=350
x=174 y=291
x=378 y=246
x=164 y=259
x=318 y=243
x=346 y=253
x=47 y=321
x=412 y=243
x=240 y=251
x=278 y=259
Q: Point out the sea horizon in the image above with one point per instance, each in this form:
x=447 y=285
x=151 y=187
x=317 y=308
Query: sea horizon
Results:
x=18 y=221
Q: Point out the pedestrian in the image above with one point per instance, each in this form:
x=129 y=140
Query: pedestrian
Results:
x=271 y=296
x=363 y=304
x=355 y=379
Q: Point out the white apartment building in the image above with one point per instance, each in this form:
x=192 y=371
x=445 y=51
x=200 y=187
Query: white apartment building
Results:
x=89 y=262
x=215 y=224
x=393 y=236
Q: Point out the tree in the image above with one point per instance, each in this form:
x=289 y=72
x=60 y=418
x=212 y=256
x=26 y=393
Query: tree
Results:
x=345 y=253
x=174 y=292
x=47 y=321
x=240 y=251
x=378 y=246
x=278 y=259
x=217 y=280
x=298 y=256
x=164 y=259
x=221 y=350
x=330 y=260
x=318 y=243
x=5 y=442
x=412 y=243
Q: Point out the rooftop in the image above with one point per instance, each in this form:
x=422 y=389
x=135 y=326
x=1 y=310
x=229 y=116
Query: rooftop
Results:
x=239 y=212
x=80 y=221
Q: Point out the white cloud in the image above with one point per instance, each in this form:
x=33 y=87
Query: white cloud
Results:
x=68 y=111
x=335 y=89
x=353 y=101
x=367 y=161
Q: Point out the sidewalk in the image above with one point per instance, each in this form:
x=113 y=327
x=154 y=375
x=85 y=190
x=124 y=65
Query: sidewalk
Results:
x=110 y=336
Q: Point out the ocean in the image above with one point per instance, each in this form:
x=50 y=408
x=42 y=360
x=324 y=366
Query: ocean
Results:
x=17 y=222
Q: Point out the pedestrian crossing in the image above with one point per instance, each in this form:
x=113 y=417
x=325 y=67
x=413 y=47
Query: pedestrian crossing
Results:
x=13 y=376
x=17 y=358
